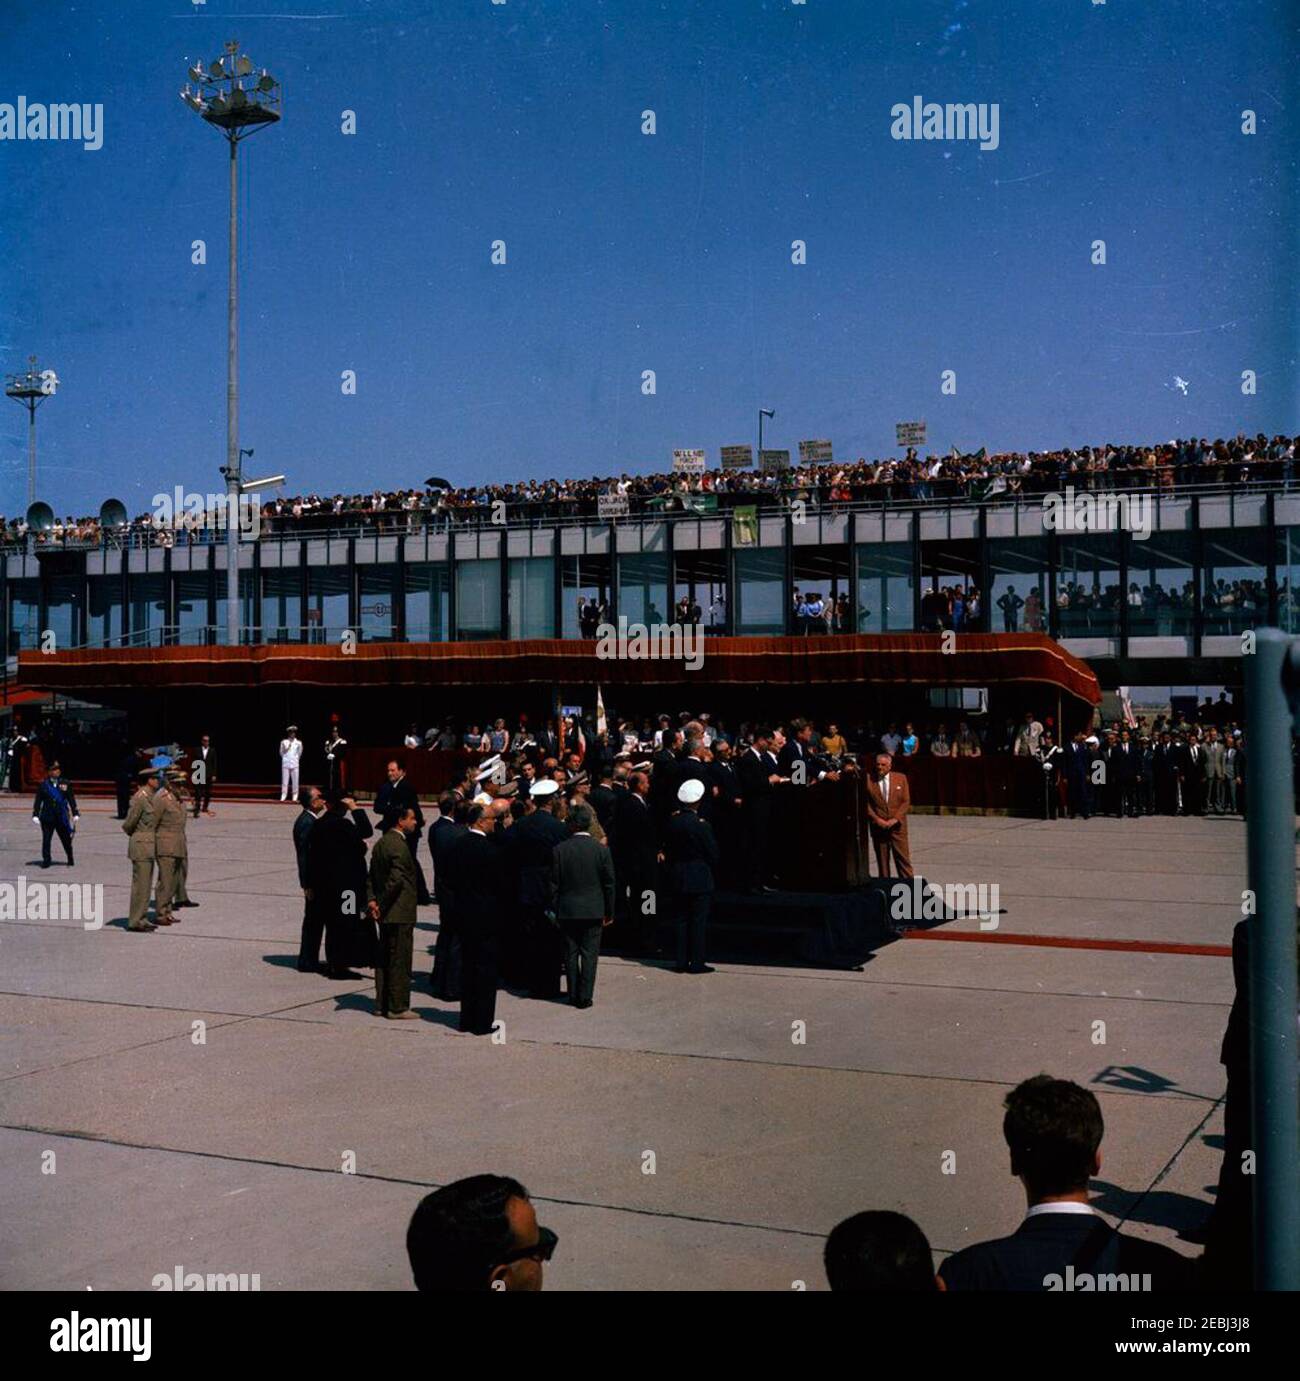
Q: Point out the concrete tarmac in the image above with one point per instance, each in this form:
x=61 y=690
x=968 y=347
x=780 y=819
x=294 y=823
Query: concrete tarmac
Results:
x=187 y=1098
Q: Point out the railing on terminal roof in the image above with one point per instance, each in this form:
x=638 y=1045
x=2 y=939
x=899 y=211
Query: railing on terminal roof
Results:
x=941 y=494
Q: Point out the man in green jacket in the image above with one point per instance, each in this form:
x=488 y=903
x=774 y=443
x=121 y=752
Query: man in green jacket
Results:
x=395 y=891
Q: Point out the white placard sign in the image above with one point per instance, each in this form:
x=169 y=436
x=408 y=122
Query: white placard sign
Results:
x=689 y=462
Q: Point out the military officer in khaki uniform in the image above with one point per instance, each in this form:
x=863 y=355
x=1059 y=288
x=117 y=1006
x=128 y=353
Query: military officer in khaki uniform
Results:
x=141 y=827
x=171 y=851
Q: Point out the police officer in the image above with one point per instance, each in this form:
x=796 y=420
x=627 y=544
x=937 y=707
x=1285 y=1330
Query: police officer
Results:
x=691 y=853
x=55 y=811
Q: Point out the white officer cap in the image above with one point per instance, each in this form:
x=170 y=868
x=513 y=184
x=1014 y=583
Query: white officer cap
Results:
x=546 y=787
x=690 y=791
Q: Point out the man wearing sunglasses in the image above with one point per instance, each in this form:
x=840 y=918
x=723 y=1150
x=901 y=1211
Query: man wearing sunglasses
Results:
x=480 y=1233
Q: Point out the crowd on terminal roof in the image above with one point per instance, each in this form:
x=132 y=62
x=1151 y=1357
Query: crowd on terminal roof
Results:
x=971 y=476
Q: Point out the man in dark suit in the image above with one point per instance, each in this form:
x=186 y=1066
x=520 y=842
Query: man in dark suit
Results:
x=1125 y=767
x=529 y=849
x=397 y=794
x=203 y=772
x=691 y=854
x=1079 y=769
x=758 y=778
x=1053 y=1129
x=1164 y=773
x=313 y=807
x=339 y=885
x=1191 y=774
x=582 y=898
x=393 y=905
x=478 y=885
x=635 y=844
x=796 y=759
x=447 y=828
x=695 y=768
x=726 y=810
x=128 y=765
x=663 y=781
x=604 y=798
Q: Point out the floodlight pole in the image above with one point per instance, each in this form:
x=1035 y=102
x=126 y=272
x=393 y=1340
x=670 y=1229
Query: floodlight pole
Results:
x=232 y=410
x=224 y=100
x=1272 y=695
x=31 y=451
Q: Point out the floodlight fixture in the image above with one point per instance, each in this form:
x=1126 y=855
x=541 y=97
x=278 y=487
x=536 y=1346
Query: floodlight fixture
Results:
x=31 y=389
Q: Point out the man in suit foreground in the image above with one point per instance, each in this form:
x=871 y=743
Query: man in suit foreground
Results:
x=888 y=802
x=392 y=886
x=582 y=897
x=1053 y=1129
x=691 y=853
x=480 y=1233
x=478 y=886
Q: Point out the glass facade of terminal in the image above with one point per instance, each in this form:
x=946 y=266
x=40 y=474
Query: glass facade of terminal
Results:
x=1209 y=568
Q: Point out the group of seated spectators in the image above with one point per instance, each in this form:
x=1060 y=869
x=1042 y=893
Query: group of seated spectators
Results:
x=977 y=475
x=482 y=1233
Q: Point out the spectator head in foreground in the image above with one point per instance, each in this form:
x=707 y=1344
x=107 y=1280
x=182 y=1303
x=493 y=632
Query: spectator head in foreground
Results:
x=479 y=1233
x=1053 y=1129
x=879 y=1251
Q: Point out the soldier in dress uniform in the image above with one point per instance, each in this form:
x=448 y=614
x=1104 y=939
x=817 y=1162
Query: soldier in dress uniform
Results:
x=336 y=753
x=141 y=828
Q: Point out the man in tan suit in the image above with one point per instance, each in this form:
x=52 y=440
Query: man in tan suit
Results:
x=171 y=851
x=141 y=827
x=888 y=802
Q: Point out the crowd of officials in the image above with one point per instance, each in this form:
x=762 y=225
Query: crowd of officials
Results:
x=543 y=846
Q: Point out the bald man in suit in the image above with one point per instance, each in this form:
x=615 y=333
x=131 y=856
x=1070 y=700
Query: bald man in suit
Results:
x=888 y=803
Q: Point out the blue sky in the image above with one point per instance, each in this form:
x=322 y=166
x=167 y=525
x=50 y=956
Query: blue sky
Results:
x=629 y=252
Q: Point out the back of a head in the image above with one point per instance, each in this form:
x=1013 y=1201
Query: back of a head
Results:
x=876 y=1252
x=580 y=818
x=1053 y=1129
x=459 y=1232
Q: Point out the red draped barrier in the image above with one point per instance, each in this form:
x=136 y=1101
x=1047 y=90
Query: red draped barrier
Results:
x=918 y=659
x=998 y=783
